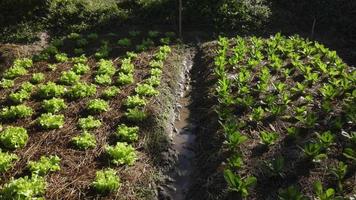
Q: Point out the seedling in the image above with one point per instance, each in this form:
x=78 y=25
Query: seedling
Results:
x=291 y=193
x=24 y=188
x=84 y=141
x=106 y=181
x=69 y=78
x=44 y=165
x=7 y=161
x=16 y=112
x=37 y=78
x=268 y=138
x=238 y=184
x=97 y=106
x=54 y=105
x=82 y=90
x=121 y=154
x=110 y=92
x=126 y=133
x=51 y=121
x=13 y=137
x=135 y=114
x=89 y=123
x=50 y=90
x=80 y=68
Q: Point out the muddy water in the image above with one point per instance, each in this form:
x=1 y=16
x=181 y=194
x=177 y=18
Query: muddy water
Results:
x=183 y=139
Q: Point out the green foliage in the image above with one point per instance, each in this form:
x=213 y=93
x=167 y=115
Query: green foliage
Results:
x=51 y=121
x=79 y=60
x=50 y=90
x=268 y=138
x=121 y=153
x=54 y=105
x=276 y=166
x=80 y=68
x=106 y=67
x=13 y=137
x=7 y=83
x=135 y=101
x=97 y=106
x=126 y=66
x=314 y=151
x=19 y=96
x=328 y=194
x=37 y=78
x=103 y=79
x=125 y=79
x=61 y=57
x=27 y=86
x=291 y=193
x=84 y=141
x=126 y=133
x=238 y=184
x=146 y=90
x=81 y=90
x=82 y=42
x=24 y=188
x=126 y=42
x=110 y=92
x=15 y=71
x=326 y=138
x=15 y=112
x=106 y=181
x=69 y=78
x=44 y=165
x=135 y=114
x=89 y=123
x=7 y=161
x=156 y=64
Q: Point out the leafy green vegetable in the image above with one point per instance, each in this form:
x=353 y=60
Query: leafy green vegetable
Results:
x=13 y=137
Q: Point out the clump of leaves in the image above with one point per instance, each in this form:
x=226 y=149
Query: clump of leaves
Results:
x=135 y=101
x=121 y=153
x=276 y=166
x=126 y=42
x=238 y=184
x=15 y=71
x=51 y=121
x=15 y=112
x=106 y=181
x=80 y=68
x=54 y=105
x=69 y=78
x=80 y=60
x=24 y=188
x=50 y=90
x=268 y=138
x=313 y=151
x=81 y=90
x=13 y=137
x=89 y=123
x=19 y=96
x=110 y=92
x=106 y=67
x=7 y=161
x=37 y=78
x=97 y=106
x=103 y=79
x=125 y=79
x=291 y=193
x=44 y=165
x=135 y=114
x=146 y=90
x=126 y=133
x=84 y=141
x=61 y=57
x=322 y=194
x=7 y=83
x=126 y=66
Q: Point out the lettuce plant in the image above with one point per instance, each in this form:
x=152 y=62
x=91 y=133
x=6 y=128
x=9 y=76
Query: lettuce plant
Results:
x=50 y=90
x=15 y=112
x=135 y=114
x=126 y=133
x=146 y=90
x=106 y=67
x=69 y=78
x=238 y=184
x=106 y=181
x=51 y=121
x=97 y=106
x=84 y=141
x=156 y=64
x=268 y=138
x=121 y=153
x=135 y=101
x=80 y=59
x=126 y=66
x=24 y=188
x=61 y=57
x=7 y=161
x=7 y=83
x=82 y=90
x=89 y=123
x=110 y=92
x=15 y=71
x=13 y=137
x=80 y=68
x=78 y=51
x=54 y=105
x=44 y=165
x=103 y=79
x=37 y=78
x=291 y=193
x=19 y=96
x=126 y=42
x=125 y=79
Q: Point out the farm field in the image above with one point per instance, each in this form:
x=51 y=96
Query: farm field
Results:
x=96 y=116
